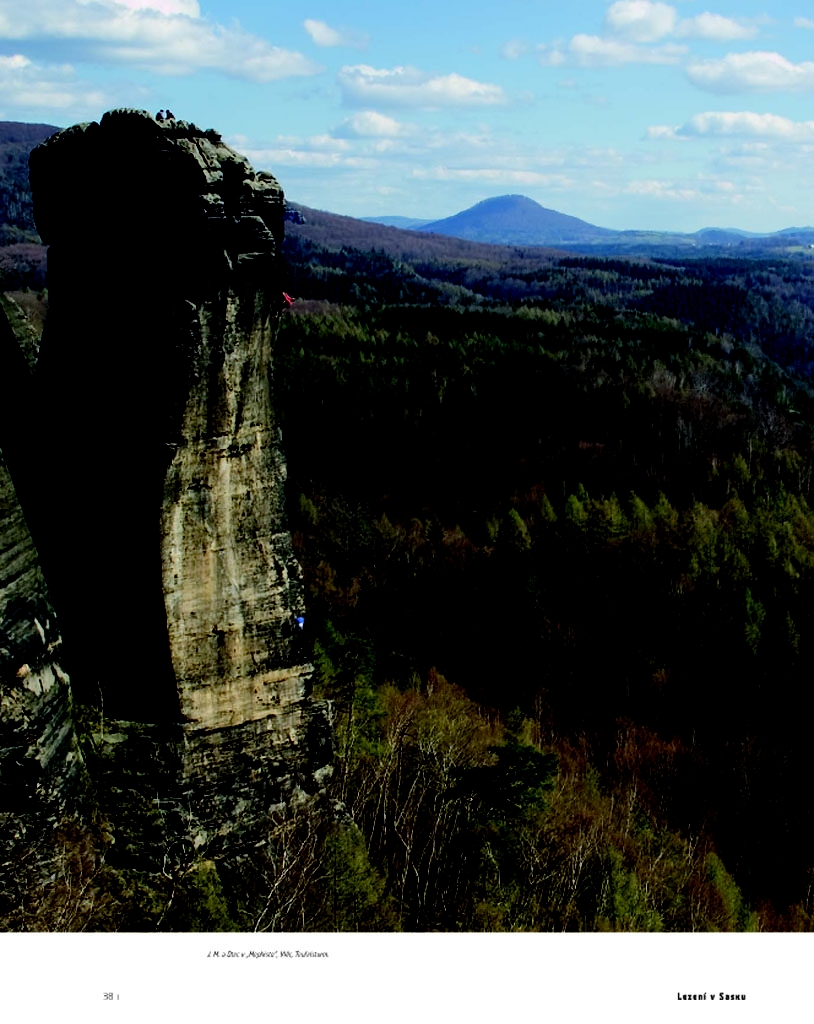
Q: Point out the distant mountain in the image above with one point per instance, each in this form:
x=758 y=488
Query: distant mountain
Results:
x=721 y=236
x=405 y=223
x=517 y=220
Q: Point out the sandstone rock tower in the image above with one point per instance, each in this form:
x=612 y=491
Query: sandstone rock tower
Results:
x=159 y=510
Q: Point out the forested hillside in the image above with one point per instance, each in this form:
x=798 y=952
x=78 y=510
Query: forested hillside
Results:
x=558 y=508
x=22 y=257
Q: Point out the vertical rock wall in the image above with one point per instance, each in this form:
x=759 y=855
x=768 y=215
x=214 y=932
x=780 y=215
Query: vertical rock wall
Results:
x=170 y=563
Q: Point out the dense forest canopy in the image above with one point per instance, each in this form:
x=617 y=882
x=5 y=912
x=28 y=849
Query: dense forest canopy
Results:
x=578 y=490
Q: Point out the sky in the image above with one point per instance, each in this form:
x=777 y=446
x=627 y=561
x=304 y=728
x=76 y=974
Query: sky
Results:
x=632 y=114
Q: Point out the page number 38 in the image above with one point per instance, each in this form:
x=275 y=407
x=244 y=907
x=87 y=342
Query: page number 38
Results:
x=110 y=996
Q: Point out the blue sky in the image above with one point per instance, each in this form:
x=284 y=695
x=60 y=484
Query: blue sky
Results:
x=631 y=114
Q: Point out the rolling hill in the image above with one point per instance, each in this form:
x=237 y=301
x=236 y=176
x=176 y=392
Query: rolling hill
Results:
x=408 y=223
x=516 y=220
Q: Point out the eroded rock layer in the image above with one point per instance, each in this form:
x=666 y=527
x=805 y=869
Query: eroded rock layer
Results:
x=42 y=775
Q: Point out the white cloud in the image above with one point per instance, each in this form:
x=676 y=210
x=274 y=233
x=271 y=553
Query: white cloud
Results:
x=493 y=175
x=369 y=124
x=458 y=141
x=804 y=23
x=714 y=27
x=166 y=36
x=315 y=143
x=642 y=32
x=662 y=131
x=550 y=56
x=747 y=123
x=596 y=51
x=188 y=7
x=750 y=157
x=14 y=62
x=660 y=190
x=409 y=87
x=317 y=151
x=737 y=124
x=434 y=155
x=289 y=157
x=365 y=140
x=706 y=189
x=29 y=87
x=641 y=21
x=513 y=49
x=754 y=71
x=323 y=35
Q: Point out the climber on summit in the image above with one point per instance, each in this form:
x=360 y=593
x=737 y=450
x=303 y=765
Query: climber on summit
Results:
x=160 y=115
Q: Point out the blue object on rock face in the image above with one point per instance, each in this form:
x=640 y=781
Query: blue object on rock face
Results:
x=301 y=622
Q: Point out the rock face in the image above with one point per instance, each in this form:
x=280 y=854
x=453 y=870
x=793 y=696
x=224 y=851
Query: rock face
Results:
x=42 y=774
x=158 y=505
x=43 y=781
